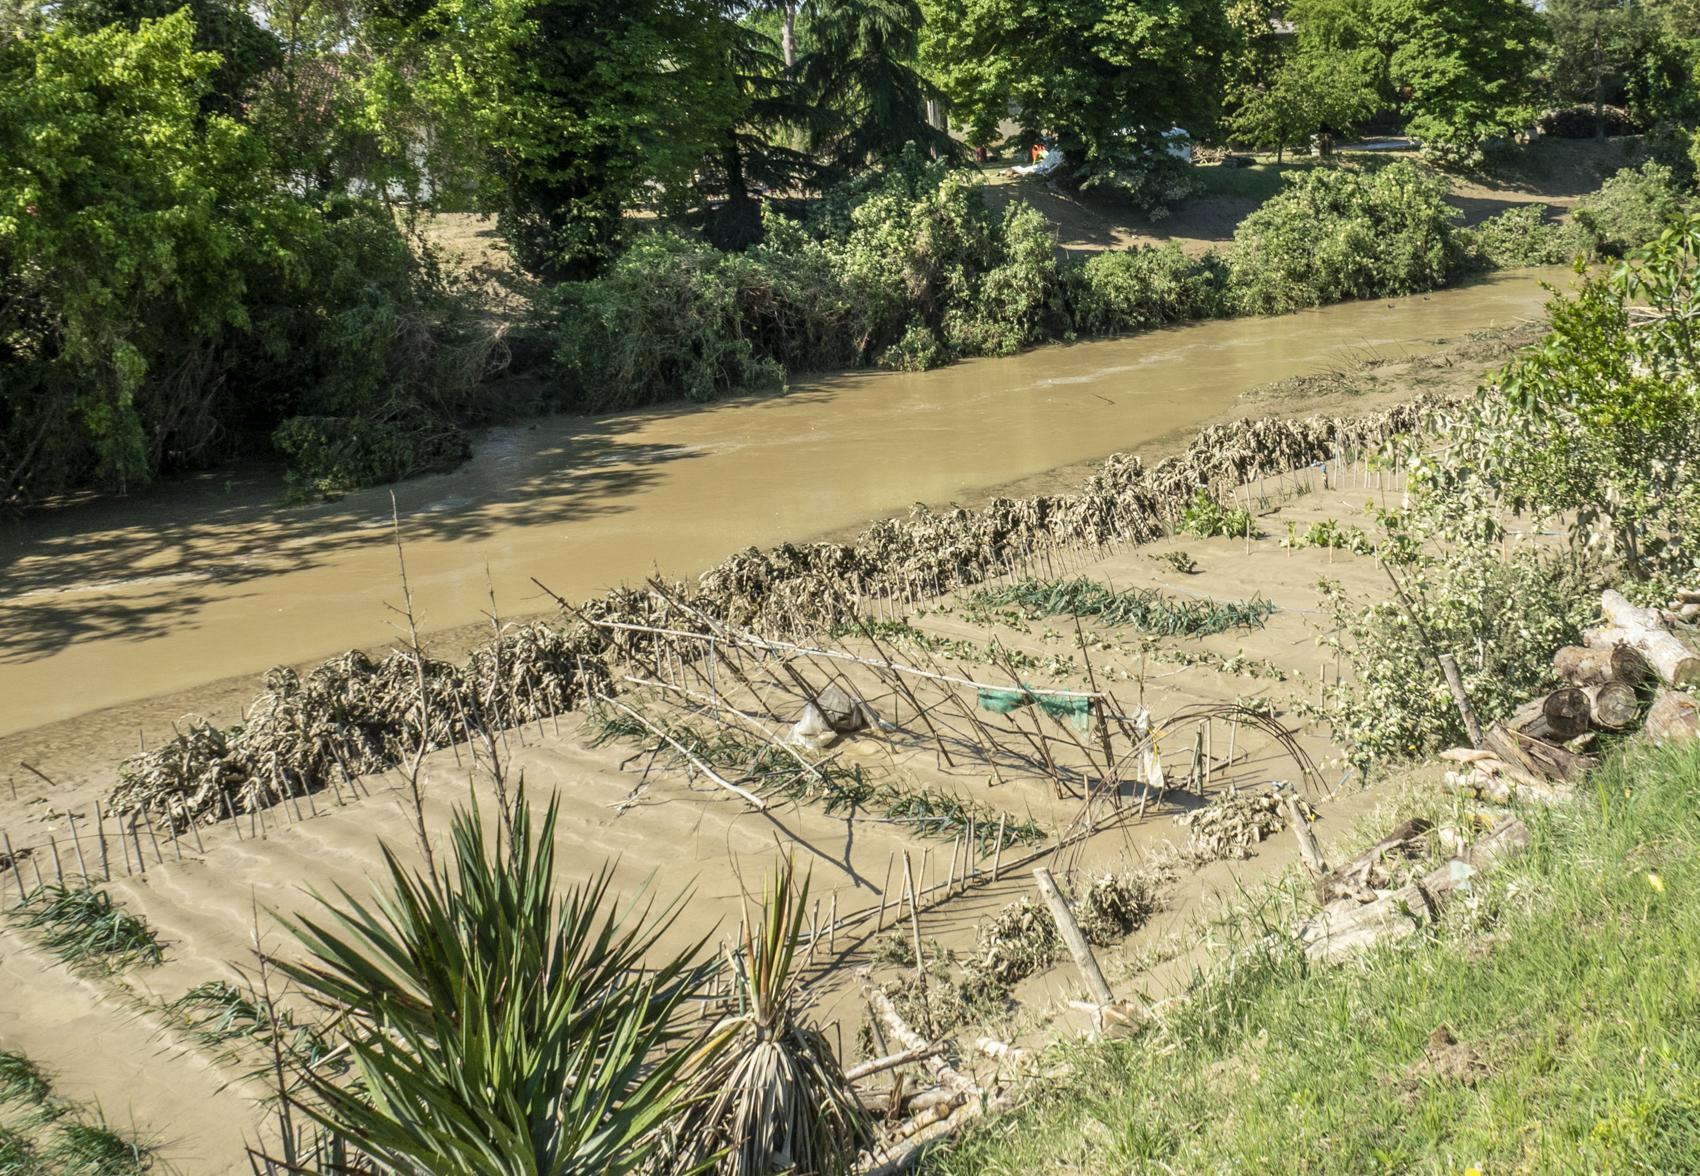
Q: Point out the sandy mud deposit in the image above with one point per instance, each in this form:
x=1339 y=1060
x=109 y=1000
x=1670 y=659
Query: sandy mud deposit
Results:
x=1108 y=684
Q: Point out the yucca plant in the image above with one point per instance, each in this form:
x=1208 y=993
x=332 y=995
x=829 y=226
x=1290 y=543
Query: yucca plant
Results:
x=494 y=1026
x=767 y=1093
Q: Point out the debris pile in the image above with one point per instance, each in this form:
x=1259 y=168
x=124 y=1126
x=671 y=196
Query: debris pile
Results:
x=353 y=716
x=1631 y=670
x=1233 y=822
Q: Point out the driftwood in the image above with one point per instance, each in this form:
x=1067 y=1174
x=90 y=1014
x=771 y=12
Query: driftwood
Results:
x=1612 y=706
x=1497 y=784
x=1360 y=878
x=1584 y=665
x=1533 y=756
x=1346 y=925
x=1673 y=717
x=1644 y=629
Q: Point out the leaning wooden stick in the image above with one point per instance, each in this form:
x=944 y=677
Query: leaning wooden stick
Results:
x=1073 y=938
x=696 y=761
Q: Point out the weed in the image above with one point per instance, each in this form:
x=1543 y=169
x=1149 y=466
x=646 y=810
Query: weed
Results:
x=21 y=1080
x=84 y=928
x=94 y=1149
x=218 y=1014
x=1178 y=560
x=1206 y=518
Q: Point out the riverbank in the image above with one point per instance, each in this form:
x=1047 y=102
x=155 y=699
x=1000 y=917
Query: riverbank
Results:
x=664 y=823
x=1546 y=1026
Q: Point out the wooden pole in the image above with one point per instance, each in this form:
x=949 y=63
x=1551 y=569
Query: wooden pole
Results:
x=997 y=852
x=100 y=835
x=12 y=857
x=1308 y=849
x=915 y=939
x=1455 y=683
x=1074 y=939
x=77 y=844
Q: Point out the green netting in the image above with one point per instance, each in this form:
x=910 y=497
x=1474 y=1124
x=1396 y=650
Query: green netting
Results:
x=1076 y=709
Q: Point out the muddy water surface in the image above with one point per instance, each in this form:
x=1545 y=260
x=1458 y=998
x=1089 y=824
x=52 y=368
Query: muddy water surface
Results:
x=113 y=601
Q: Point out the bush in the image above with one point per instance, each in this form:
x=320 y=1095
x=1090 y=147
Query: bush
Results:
x=911 y=269
x=1630 y=209
x=1334 y=234
x=1501 y=619
x=1578 y=122
x=1521 y=236
x=1132 y=289
x=331 y=455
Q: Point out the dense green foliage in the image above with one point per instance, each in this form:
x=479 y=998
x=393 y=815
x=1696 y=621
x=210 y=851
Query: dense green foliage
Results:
x=1600 y=424
x=1548 y=1025
x=1108 y=80
x=161 y=297
x=1339 y=234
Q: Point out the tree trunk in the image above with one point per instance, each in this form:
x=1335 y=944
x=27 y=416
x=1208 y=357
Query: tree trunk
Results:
x=1581 y=665
x=1673 y=717
x=1612 y=706
x=1565 y=711
x=788 y=35
x=1642 y=628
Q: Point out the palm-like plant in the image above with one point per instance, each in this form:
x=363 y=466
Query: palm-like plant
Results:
x=494 y=1027
x=767 y=1093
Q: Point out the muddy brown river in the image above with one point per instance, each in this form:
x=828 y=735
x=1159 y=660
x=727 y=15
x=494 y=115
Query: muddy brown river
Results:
x=121 y=599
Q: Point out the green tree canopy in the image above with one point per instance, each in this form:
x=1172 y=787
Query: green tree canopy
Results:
x=1107 y=77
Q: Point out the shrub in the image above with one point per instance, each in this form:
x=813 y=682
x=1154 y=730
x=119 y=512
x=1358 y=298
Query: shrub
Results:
x=1132 y=289
x=1630 y=209
x=1579 y=122
x=1501 y=619
x=329 y=455
x=1521 y=236
x=163 y=298
x=1334 y=234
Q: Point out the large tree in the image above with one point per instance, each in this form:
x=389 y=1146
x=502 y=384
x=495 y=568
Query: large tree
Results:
x=862 y=73
x=1595 y=44
x=1464 y=70
x=574 y=110
x=1107 y=77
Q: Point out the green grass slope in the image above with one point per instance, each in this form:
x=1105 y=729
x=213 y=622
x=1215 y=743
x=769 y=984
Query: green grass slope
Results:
x=1551 y=1025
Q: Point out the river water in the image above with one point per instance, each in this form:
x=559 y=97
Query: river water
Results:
x=117 y=600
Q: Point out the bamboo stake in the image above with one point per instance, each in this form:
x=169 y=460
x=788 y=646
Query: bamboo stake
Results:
x=77 y=843
x=12 y=857
x=100 y=833
x=997 y=853
x=58 y=866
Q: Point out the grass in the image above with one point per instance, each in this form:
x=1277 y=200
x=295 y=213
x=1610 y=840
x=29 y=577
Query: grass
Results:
x=86 y=929
x=1551 y=1025
x=41 y=1135
x=21 y=1080
x=1145 y=609
x=223 y=1017
x=94 y=1149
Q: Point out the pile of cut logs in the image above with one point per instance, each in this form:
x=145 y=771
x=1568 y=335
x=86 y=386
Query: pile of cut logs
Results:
x=1632 y=669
